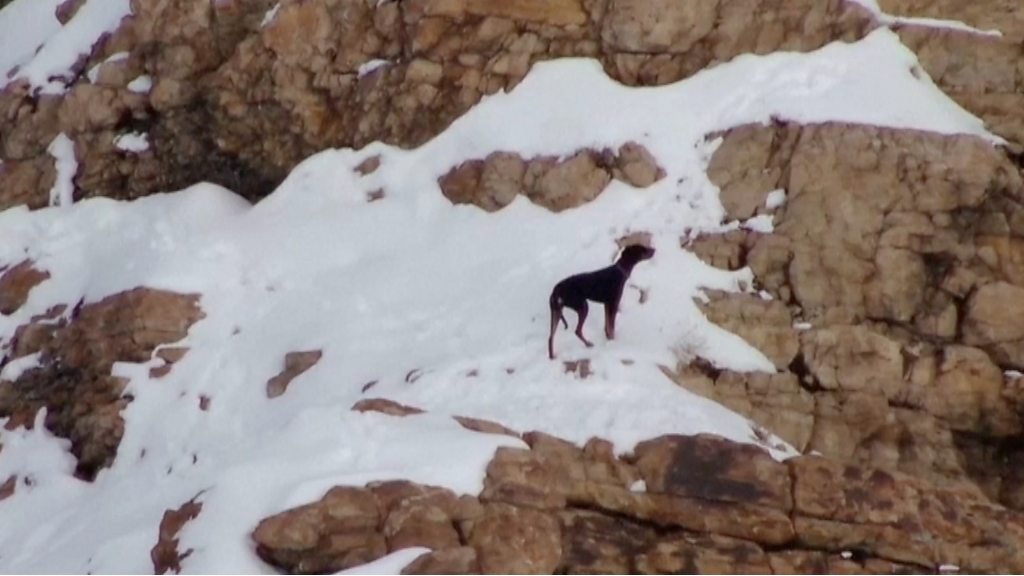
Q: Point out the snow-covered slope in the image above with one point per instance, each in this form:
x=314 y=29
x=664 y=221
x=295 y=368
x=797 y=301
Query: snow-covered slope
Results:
x=407 y=285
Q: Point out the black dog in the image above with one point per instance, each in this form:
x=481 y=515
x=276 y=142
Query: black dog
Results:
x=603 y=286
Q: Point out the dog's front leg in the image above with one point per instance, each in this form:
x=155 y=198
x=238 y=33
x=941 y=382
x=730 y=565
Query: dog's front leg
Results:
x=610 y=310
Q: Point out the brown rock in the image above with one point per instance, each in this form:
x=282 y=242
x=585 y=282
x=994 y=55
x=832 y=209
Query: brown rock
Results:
x=510 y=540
x=8 y=487
x=165 y=554
x=385 y=406
x=295 y=363
x=703 y=555
x=485 y=426
x=460 y=560
x=711 y=468
x=16 y=283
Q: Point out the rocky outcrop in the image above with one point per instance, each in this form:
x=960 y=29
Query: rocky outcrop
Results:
x=678 y=504
x=16 y=283
x=239 y=103
x=492 y=183
x=73 y=380
x=893 y=280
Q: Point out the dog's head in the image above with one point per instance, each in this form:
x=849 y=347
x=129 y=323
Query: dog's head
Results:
x=637 y=252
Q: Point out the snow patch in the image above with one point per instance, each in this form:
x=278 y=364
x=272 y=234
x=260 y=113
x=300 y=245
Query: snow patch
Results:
x=371 y=65
x=638 y=486
x=761 y=223
x=15 y=368
x=141 y=85
x=63 y=151
x=775 y=199
x=135 y=142
x=94 y=72
x=270 y=15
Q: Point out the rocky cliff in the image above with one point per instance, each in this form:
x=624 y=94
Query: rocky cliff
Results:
x=888 y=294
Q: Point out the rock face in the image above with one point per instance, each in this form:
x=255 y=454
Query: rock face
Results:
x=679 y=504
x=73 y=380
x=895 y=298
x=239 y=104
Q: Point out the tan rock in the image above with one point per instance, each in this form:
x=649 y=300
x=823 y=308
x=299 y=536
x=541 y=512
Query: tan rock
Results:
x=853 y=358
x=335 y=533
x=511 y=540
x=994 y=321
x=703 y=555
x=656 y=26
x=765 y=324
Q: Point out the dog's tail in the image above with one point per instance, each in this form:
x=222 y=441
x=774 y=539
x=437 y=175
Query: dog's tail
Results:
x=555 y=303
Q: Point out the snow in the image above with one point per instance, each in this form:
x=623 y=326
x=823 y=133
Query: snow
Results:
x=94 y=73
x=269 y=16
x=50 y=69
x=1013 y=374
x=444 y=307
x=15 y=368
x=132 y=142
x=775 y=199
x=638 y=486
x=948 y=568
x=371 y=65
x=141 y=85
x=19 y=42
x=63 y=151
x=761 y=223
x=802 y=326
x=890 y=20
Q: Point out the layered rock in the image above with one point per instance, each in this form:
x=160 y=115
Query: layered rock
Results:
x=679 y=504
x=893 y=275
x=73 y=380
x=239 y=103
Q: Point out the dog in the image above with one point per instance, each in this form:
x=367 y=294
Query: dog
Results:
x=603 y=286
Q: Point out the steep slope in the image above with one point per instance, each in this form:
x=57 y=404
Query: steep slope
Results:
x=358 y=283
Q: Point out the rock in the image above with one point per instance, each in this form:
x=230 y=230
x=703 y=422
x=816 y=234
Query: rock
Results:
x=73 y=381
x=340 y=531
x=494 y=182
x=485 y=426
x=853 y=359
x=385 y=406
x=460 y=560
x=711 y=468
x=765 y=324
x=511 y=540
x=994 y=321
x=165 y=554
x=703 y=555
x=16 y=283
x=295 y=363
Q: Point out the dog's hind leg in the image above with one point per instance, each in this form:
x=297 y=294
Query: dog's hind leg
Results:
x=582 y=312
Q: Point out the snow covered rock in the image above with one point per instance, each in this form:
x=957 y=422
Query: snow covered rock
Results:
x=74 y=380
x=16 y=283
